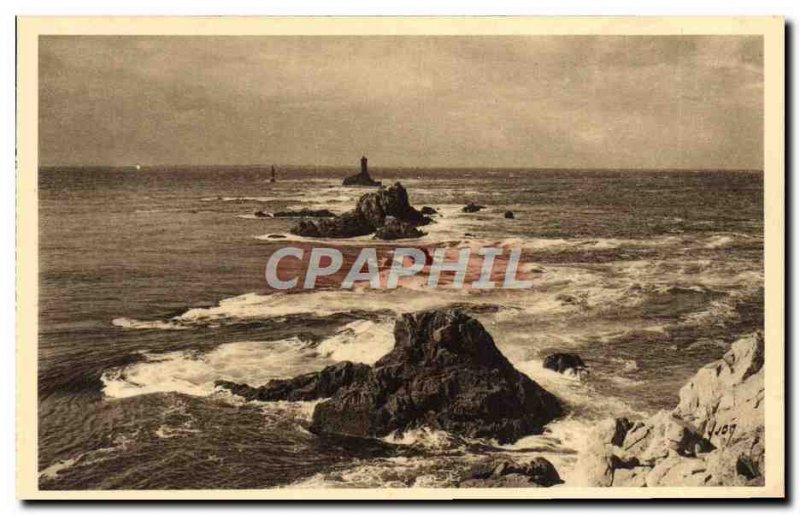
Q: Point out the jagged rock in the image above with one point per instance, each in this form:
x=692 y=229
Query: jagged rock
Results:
x=395 y=229
x=445 y=372
x=506 y=473
x=715 y=436
x=371 y=212
x=509 y=215
x=472 y=208
x=306 y=387
x=391 y=201
x=305 y=212
x=563 y=362
x=427 y=210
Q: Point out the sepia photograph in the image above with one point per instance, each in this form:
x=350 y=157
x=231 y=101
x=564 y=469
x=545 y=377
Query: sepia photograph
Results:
x=387 y=258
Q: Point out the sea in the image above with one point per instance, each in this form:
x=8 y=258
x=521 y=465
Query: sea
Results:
x=151 y=288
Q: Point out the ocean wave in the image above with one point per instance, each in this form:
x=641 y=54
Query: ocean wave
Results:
x=193 y=372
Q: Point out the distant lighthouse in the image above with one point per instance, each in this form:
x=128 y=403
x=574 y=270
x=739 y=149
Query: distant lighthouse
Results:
x=272 y=178
x=362 y=178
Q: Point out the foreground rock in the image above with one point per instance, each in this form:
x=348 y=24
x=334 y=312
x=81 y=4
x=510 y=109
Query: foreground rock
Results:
x=427 y=210
x=305 y=213
x=370 y=214
x=445 y=372
x=395 y=230
x=472 y=208
x=507 y=473
x=715 y=436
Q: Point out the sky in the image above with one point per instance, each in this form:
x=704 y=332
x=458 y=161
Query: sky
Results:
x=411 y=101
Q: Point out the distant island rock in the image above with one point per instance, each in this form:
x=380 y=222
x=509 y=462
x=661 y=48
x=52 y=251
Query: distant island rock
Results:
x=362 y=178
x=444 y=372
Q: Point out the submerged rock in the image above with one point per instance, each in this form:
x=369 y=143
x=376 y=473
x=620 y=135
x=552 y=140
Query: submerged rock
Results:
x=713 y=437
x=427 y=210
x=509 y=215
x=395 y=229
x=472 y=208
x=262 y=214
x=305 y=212
x=445 y=372
x=563 y=362
x=506 y=473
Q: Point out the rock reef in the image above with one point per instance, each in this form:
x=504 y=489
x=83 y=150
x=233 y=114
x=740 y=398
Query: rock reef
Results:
x=714 y=436
x=370 y=214
x=444 y=372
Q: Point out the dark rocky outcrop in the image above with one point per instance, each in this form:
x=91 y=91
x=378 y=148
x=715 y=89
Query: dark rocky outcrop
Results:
x=348 y=225
x=509 y=215
x=472 y=208
x=362 y=178
x=306 y=387
x=445 y=372
x=391 y=201
x=305 y=213
x=395 y=229
x=370 y=213
x=427 y=210
x=713 y=437
x=506 y=473
x=561 y=362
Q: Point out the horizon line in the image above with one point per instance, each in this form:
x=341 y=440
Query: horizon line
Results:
x=385 y=167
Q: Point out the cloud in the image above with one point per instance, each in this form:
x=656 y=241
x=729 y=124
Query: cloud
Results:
x=538 y=101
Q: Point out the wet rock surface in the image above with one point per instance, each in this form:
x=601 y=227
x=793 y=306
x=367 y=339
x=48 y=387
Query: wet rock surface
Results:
x=444 y=372
x=305 y=387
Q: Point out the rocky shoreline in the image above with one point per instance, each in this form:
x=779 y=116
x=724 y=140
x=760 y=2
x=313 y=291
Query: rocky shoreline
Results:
x=446 y=373
x=713 y=437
